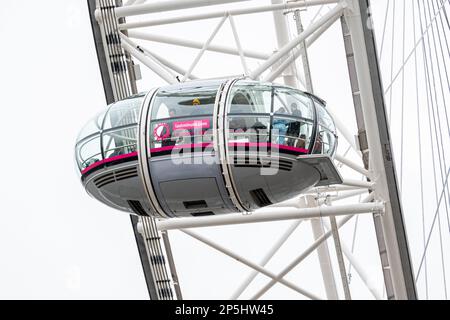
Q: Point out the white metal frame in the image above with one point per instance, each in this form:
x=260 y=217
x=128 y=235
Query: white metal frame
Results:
x=272 y=67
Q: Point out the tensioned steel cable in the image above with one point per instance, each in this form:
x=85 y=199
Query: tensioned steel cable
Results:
x=434 y=107
x=420 y=147
x=430 y=98
x=437 y=138
x=388 y=87
x=392 y=58
x=443 y=96
x=447 y=196
x=384 y=29
x=438 y=66
x=446 y=41
x=446 y=16
x=403 y=97
x=431 y=229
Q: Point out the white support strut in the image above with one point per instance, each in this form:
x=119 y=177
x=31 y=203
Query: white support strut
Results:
x=221 y=13
x=146 y=61
x=194 y=44
x=250 y=264
x=270 y=214
x=169 y=5
x=333 y=14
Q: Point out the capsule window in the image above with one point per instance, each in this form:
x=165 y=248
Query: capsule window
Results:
x=123 y=113
x=293 y=103
x=250 y=98
x=324 y=118
x=88 y=152
x=248 y=129
x=293 y=133
x=325 y=141
x=184 y=102
x=119 y=142
x=92 y=127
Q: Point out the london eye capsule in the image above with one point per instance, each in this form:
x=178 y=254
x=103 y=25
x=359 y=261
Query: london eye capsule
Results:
x=207 y=147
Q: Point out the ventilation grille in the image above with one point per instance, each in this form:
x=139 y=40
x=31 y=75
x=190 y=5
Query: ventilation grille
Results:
x=281 y=164
x=137 y=208
x=260 y=197
x=202 y=214
x=114 y=176
x=197 y=204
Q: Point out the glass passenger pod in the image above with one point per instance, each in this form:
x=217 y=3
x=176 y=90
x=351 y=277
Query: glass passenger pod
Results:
x=110 y=137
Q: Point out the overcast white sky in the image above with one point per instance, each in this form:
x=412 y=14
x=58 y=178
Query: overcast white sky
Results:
x=56 y=241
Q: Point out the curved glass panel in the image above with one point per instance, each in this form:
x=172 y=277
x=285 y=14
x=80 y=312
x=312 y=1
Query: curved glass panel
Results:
x=324 y=118
x=248 y=129
x=184 y=101
x=88 y=152
x=250 y=97
x=93 y=126
x=325 y=141
x=119 y=142
x=292 y=102
x=326 y=132
x=124 y=112
x=292 y=133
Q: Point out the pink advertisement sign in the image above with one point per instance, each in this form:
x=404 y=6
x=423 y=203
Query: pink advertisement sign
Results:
x=191 y=124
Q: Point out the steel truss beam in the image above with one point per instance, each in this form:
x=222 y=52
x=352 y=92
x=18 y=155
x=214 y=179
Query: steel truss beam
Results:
x=118 y=77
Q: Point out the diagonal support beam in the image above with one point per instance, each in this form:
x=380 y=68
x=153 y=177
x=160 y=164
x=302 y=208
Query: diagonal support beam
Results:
x=203 y=49
x=164 y=74
x=266 y=259
x=167 y=63
x=357 y=266
x=194 y=44
x=299 y=259
x=307 y=252
x=333 y=14
x=353 y=165
x=250 y=264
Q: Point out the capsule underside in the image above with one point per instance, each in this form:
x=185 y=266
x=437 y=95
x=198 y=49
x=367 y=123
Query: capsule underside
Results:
x=210 y=147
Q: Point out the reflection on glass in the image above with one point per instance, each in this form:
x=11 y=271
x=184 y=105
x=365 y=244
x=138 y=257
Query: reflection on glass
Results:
x=124 y=112
x=119 y=142
x=293 y=103
x=184 y=102
x=249 y=97
x=290 y=132
x=324 y=118
x=88 y=152
x=93 y=126
x=325 y=141
x=248 y=129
